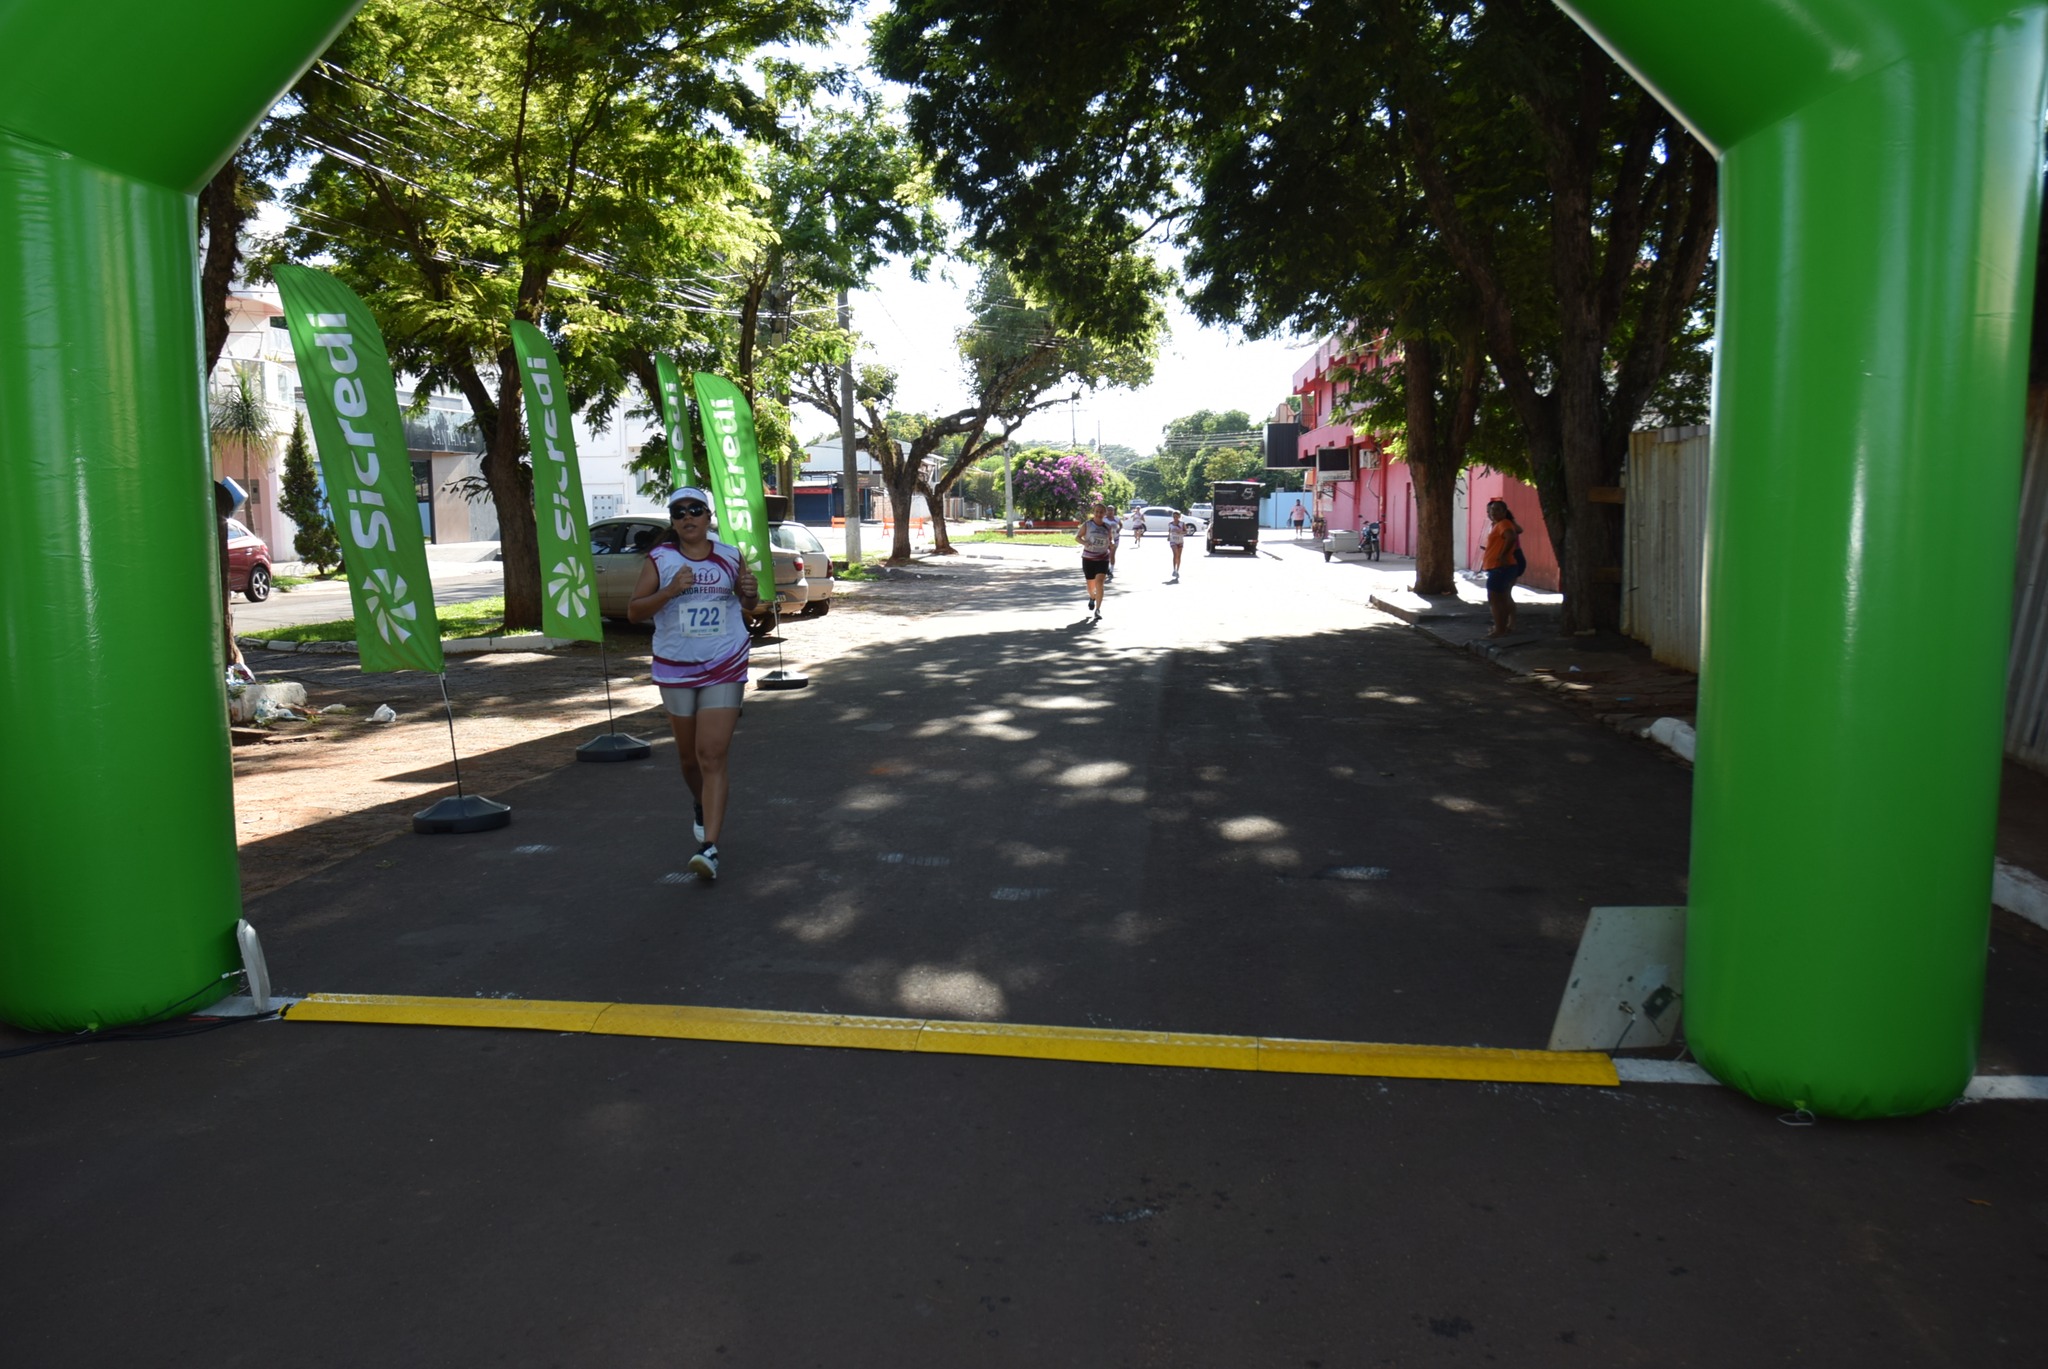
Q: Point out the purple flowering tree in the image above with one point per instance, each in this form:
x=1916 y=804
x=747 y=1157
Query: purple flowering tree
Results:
x=1052 y=484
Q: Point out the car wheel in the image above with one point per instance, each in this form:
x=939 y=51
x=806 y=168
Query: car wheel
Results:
x=817 y=608
x=258 y=588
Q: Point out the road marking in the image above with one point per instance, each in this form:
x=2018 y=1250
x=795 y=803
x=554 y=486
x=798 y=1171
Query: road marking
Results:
x=1093 y=1045
x=1100 y=1045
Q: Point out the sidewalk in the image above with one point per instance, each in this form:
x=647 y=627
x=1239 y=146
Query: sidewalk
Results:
x=1617 y=680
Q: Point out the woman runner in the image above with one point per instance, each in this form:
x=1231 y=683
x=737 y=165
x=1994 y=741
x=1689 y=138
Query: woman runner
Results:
x=1098 y=544
x=697 y=593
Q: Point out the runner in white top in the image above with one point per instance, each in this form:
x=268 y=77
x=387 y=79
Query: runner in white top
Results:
x=1176 y=534
x=697 y=593
x=1098 y=543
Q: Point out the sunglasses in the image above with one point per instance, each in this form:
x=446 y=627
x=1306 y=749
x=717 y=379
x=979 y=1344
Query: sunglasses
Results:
x=688 y=511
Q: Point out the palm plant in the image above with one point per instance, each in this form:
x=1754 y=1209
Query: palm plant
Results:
x=238 y=417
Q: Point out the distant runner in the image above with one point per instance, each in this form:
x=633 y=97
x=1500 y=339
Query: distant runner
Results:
x=1176 y=534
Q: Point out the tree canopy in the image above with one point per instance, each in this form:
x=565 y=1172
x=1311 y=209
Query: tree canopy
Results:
x=1477 y=180
x=577 y=164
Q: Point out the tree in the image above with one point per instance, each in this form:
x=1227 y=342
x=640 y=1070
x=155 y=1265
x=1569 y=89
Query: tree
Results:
x=1203 y=429
x=303 y=503
x=576 y=164
x=1018 y=359
x=239 y=422
x=1575 y=213
x=1054 y=485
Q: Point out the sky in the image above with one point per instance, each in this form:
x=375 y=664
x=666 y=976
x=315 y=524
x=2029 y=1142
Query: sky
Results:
x=908 y=325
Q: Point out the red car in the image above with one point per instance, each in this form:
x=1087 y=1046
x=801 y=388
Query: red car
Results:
x=248 y=563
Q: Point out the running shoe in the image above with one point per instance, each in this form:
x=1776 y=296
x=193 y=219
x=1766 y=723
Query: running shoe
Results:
x=704 y=865
x=697 y=824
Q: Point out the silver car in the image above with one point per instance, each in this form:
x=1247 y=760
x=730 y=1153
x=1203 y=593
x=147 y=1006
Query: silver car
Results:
x=817 y=563
x=619 y=547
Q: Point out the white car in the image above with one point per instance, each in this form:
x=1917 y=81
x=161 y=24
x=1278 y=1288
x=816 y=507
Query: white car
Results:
x=619 y=547
x=1157 y=516
x=1203 y=511
x=817 y=564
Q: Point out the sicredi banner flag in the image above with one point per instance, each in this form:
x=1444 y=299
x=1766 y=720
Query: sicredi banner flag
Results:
x=353 y=406
x=675 y=420
x=568 y=582
x=729 y=451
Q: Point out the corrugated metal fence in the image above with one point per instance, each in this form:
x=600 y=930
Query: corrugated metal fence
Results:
x=1667 y=520
x=1666 y=542
x=2026 y=688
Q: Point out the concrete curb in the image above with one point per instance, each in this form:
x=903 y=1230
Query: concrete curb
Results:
x=2020 y=892
x=450 y=646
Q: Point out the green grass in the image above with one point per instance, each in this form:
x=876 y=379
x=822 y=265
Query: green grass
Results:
x=870 y=568
x=1056 y=537
x=475 y=618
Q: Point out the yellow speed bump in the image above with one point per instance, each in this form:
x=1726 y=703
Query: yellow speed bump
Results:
x=1099 y=1045
x=760 y=1028
x=532 y=1014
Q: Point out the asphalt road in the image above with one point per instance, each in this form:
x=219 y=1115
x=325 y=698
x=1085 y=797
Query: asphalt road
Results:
x=1013 y=814
x=325 y=601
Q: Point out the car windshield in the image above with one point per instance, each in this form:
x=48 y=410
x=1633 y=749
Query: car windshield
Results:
x=795 y=537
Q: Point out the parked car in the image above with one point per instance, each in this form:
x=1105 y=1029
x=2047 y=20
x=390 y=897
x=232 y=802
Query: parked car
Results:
x=248 y=563
x=619 y=547
x=817 y=564
x=1203 y=511
x=1157 y=516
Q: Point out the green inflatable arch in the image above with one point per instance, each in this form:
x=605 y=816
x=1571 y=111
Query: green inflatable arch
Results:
x=116 y=818
x=1880 y=183
x=1880 y=171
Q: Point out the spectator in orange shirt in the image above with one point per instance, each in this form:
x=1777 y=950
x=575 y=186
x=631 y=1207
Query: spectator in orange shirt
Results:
x=1503 y=563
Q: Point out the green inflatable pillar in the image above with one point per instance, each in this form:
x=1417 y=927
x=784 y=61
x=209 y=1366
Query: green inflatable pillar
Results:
x=117 y=842
x=1880 y=180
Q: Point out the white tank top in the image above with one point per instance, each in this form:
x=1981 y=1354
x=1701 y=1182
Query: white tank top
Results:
x=700 y=636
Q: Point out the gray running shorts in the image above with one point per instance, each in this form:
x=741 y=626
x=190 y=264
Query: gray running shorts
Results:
x=682 y=701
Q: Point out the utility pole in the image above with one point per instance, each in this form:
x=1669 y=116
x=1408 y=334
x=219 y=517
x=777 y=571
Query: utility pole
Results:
x=850 y=474
x=1009 y=497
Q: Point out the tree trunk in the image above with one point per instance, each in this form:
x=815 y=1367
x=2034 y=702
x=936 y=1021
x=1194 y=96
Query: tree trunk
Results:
x=220 y=211
x=942 y=545
x=1435 y=468
x=900 y=491
x=511 y=487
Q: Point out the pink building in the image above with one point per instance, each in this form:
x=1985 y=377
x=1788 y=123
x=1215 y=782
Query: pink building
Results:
x=1376 y=490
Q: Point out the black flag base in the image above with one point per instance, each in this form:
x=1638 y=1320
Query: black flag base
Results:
x=783 y=679
x=614 y=746
x=462 y=813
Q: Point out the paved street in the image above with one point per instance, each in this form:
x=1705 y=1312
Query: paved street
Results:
x=1244 y=803
x=325 y=601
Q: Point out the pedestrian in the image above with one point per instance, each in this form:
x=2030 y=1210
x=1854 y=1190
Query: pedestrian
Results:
x=697 y=592
x=1319 y=527
x=1137 y=526
x=1098 y=547
x=1298 y=517
x=1176 y=534
x=1503 y=563
x=1116 y=534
